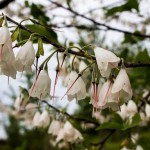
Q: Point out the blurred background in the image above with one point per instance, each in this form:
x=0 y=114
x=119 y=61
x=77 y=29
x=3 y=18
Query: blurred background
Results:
x=122 y=26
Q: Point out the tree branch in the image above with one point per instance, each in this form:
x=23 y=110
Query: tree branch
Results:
x=70 y=116
x=98 y=23
x=80 y=53
x=4 y=3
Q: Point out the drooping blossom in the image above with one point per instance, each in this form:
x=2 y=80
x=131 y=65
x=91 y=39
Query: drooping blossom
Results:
x=76 y=87
x=131 y=108
x=128 y=111
x=122 y=87
x=106 y=97
x=106 y=61
x=36 y=119
x=41 y=86
x=41 y=119
x=44 y=119
x=25 y=57
x=69 y=134
x=7 y=58
x=147 y=110
x=54 y=127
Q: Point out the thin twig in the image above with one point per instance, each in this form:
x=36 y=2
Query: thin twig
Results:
x=70 y=116
x=98 y=23
x=80 y=53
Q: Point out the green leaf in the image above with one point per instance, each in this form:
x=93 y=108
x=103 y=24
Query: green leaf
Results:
x=132 y=38
x=68 y=3
x=115 y=123
x=1 y=21
x=40 y=47
x=15 y=34
x=128 y=6
x=143 y=57
x=38 y=13
x=26 y=3
x=136 y=119
x=48 y=33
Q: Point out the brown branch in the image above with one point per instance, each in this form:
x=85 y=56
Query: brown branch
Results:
x=80 y=53
x=4 y=3
x=98 y=23
x=70 y=116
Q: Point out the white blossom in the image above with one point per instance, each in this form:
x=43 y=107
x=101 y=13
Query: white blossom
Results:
x=41 y=86
x=54 y=127
x=123 y=111
x=122 y=87
x=139 y=147
x=106 y=61
x=36 y=119
x=25 y=57
x=147 y=110
x=78 y=89
x=69 y=134
x=131 y=108
x=106 y=97
x=44 y=119
x=7 y=58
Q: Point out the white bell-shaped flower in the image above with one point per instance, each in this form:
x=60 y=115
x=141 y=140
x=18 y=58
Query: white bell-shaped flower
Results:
x=5 y=35
x=8 y=68
x=122 y=87
x=7 y=59
x=147 y=110
x=41 y=86
x=139 y=147
x=17 y=103
x=36 y=119
x=54 y=127
x=123 y=111
x=78 y=89
x=106 y=97
x=44 y=119
x=61 y=135
x=131 y=108
x=69 y=134
x=106 y=60
x=30 y=109
x=25 y=57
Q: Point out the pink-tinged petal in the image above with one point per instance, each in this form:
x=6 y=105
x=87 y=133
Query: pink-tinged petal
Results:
x=122 y=85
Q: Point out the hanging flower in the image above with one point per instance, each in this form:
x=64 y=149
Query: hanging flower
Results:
x=106 y=97
x=106 y=61
x=54 y=127
x=122 y=87
x=5 y=35
x=25 y=57
x=36 y=119
x=147 y=110
x=123 y=111
x=44 y=119
x=7 y=59
x=41 y=86
x=78 y=89
x=131 y=108
x=128 y=111
x=69 y=134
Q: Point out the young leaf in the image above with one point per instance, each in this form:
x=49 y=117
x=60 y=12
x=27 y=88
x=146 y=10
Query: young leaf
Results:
x=15 y=34
x=40 y=47
x=1 y=21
